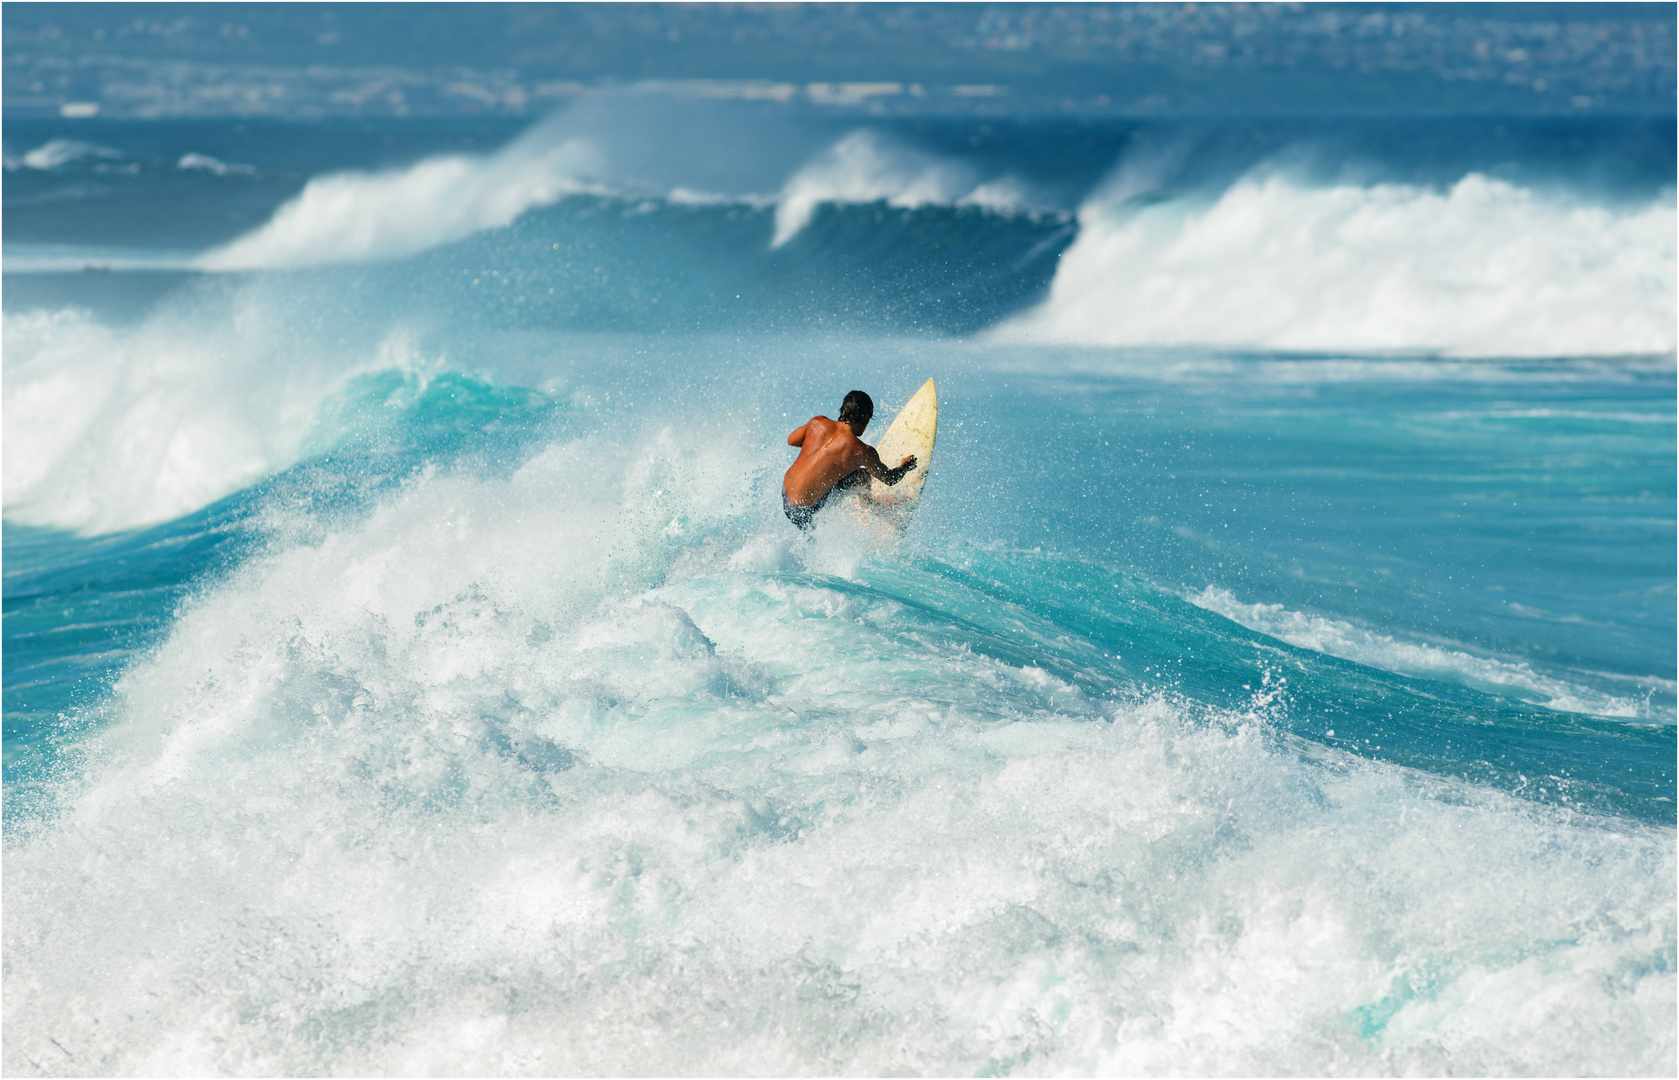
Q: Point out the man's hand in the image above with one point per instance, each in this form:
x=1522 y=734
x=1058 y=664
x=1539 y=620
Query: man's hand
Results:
x=892 y=476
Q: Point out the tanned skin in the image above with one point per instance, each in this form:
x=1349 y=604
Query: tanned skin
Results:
x=828 y=451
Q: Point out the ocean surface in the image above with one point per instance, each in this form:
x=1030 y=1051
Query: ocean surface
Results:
x=408 y=668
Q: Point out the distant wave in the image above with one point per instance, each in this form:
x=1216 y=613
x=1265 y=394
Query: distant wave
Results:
x=1349 y=642
x=624 y=144
x=196 y=162
x=1485 y=268
x=57 y=152
x=356 y=216
x=865 y=167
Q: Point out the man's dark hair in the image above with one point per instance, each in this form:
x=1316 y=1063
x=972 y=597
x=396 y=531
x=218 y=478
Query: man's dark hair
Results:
x=858 y=408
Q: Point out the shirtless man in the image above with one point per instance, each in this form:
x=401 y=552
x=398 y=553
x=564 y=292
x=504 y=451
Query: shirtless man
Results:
x=833 y=458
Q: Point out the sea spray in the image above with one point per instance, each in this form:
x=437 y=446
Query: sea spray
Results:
x=865 y=168
x=519 y=776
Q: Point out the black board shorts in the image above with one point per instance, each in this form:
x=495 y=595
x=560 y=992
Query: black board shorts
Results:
x=804 y=516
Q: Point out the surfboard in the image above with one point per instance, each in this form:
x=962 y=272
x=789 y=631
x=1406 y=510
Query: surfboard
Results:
x=913 y=431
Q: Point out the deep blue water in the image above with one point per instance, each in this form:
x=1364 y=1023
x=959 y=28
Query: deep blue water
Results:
x=407 y=666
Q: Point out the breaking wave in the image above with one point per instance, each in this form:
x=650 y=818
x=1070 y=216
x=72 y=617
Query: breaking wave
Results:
x=112 y=429
x=1483 y=268
x=352 y=217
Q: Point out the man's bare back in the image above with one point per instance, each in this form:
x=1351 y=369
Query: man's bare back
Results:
x=831 y=455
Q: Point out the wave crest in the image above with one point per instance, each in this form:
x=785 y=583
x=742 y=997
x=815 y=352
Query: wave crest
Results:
x=108 y=430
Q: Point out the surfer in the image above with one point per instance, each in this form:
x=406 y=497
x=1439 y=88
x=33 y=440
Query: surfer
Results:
x=833 y=458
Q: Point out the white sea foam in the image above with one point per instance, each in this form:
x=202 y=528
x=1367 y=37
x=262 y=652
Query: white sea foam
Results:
x=561 y=773
x=1484 y=268
x=1337 y=637
x=112 y=429
x=868 y=167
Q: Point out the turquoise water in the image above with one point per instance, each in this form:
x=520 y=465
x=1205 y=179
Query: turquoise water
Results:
x=408 y=667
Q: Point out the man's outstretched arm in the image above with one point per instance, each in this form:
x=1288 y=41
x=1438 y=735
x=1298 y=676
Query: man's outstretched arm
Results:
x=887 y=476
x=798 y=436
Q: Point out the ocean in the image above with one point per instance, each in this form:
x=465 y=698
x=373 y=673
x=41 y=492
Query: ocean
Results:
x=408 y=668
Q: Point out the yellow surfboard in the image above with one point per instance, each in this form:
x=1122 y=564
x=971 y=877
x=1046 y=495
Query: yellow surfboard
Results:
x=912 y=432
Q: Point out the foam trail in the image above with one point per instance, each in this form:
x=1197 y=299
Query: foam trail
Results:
x=1484 y=268
x=866 y=167
x=1340 y=638
x=356 y=216
x=108 y=430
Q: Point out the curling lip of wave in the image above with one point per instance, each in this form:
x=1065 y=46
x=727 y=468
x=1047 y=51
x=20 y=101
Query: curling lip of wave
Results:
x=1484 y=268
x=1362 y=646
x=864 y=167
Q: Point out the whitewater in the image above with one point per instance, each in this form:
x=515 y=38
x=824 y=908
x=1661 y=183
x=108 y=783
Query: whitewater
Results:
x=408 y=668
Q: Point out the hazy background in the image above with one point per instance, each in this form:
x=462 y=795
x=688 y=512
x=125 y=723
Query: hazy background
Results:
x=313 y=60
